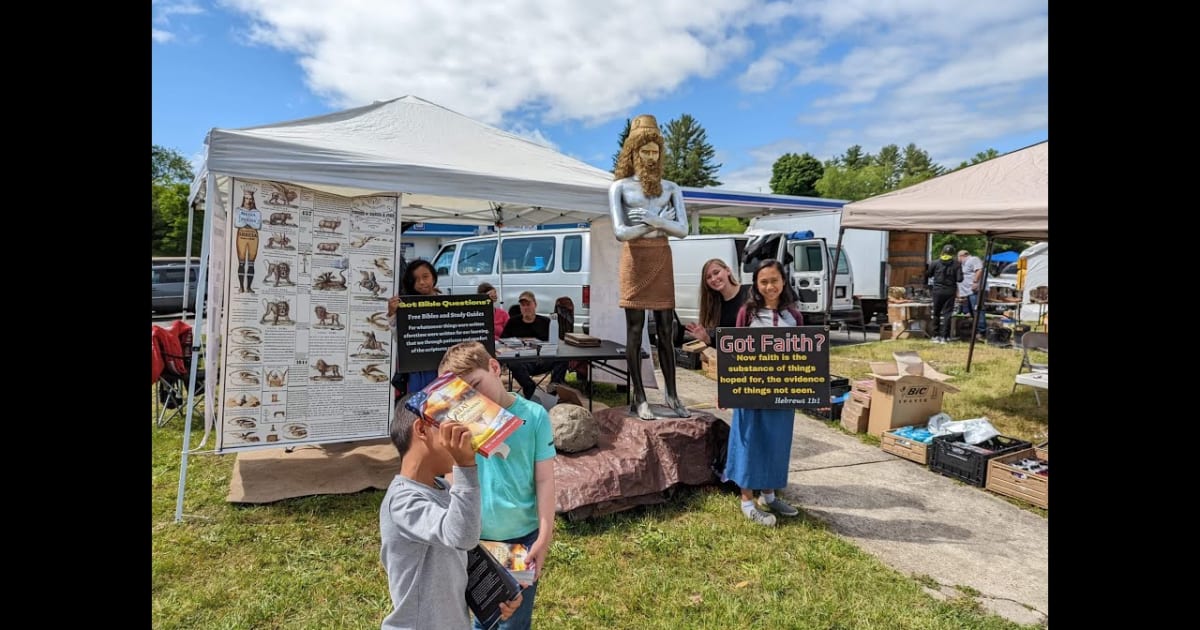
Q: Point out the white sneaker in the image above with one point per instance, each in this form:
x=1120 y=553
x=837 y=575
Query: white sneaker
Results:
x=759 y=516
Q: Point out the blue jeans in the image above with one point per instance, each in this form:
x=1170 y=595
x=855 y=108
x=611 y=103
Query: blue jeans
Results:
x=522 y=619
x=972 y=300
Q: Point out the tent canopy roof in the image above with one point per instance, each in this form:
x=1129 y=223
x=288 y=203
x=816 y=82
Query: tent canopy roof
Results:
x=1005 y=197
x=445 y=164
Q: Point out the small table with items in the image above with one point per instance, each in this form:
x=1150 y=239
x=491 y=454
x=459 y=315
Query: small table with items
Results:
x=598 y=357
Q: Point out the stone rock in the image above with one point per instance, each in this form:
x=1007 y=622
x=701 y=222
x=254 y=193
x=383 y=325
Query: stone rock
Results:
x=574 y=428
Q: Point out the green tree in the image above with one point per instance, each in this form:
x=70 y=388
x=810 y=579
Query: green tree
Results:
x=796 y=175
x=977 y=244
x=688 y=159
x=854 y=158
x=917 y=167
x=982 y=156
x=889 y=159
x=723 y=225
x=621 y=143
x=852 y=184
x=170 y=181
x=168 y=166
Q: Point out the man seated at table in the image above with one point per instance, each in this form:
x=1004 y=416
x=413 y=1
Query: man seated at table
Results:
x=531 y=325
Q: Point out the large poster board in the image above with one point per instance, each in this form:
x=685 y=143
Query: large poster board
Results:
x=307 y=350
x=785 y=367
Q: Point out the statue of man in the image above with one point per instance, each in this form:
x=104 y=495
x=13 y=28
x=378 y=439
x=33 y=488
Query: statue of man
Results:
x=646 y=209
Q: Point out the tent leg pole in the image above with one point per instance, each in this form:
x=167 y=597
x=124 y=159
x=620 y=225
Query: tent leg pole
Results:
x=979 y=302
x=197 y=339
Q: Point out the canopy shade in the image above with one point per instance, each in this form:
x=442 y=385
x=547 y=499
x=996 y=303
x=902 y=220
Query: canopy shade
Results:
x=446 y=165
x=1005 y=197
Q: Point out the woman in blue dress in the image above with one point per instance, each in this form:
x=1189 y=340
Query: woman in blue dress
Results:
x=760 y=440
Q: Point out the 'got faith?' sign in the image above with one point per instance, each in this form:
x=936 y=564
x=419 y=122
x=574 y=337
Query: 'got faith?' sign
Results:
x=773 y=368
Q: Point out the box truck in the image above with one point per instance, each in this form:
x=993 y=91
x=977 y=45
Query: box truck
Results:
x=877 y=259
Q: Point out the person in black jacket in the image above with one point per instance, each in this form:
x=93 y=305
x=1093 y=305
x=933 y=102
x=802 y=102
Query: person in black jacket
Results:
x=946 y=274
x=531 y=325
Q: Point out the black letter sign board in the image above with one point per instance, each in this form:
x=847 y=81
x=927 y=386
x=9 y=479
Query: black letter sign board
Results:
x=426 y=325
x=773 y=368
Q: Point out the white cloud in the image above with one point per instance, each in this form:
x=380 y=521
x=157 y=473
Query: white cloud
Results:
x=162 y=12
x=589 y=63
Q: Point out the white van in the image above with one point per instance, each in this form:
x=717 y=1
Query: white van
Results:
x=551 y=263
x=807 y=260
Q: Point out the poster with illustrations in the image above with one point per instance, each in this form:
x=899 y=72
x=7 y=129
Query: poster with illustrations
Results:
x=308 y=351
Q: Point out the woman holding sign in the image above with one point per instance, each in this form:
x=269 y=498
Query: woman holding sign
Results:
x=419 y=279
x=760 y=440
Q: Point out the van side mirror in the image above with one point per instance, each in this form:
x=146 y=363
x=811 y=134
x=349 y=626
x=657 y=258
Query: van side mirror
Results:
x=443 y=271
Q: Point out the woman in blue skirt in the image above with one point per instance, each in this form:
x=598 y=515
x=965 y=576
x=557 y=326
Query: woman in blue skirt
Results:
x=760 y=440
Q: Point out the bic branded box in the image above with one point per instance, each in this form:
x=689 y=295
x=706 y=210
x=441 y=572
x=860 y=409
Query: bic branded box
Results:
x=901 y=399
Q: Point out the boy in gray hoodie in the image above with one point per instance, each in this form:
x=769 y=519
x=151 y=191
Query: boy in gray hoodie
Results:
x=426 y=526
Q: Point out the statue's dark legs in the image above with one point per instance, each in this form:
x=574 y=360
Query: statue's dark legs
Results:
x=665 y=326
x=635 y=321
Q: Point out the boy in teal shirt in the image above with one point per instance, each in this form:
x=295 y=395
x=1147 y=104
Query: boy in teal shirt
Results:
x=517 y=491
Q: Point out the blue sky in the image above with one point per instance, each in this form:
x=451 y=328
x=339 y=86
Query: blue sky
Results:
x=763 y=77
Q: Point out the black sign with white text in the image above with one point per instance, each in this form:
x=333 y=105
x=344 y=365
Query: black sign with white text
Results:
x=426 y=325
x=773 y=368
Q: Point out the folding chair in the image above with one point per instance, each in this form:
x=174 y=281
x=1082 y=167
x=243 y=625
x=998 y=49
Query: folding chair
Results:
x=174 y=346
x=1040 y=342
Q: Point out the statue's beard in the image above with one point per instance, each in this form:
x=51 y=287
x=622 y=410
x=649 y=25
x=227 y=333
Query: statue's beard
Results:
x=650 y=176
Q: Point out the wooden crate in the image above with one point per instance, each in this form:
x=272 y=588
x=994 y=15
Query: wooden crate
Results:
x=901 y=447
x=1002 y=478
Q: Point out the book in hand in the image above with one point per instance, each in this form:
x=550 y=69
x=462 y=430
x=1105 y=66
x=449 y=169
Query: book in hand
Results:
x=512 y=556
x=489 y=584
x=450 y=399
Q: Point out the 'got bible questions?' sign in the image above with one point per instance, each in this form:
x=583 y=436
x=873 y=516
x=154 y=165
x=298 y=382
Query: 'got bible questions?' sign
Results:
x=772 y=368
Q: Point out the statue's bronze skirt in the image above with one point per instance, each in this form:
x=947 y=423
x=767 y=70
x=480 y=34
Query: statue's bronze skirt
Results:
x=647 y=275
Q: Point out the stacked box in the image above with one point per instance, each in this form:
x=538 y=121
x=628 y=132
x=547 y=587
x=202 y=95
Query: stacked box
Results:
x=953 y=457
x=857 y=410
x=904 y=447
x=1005 y=478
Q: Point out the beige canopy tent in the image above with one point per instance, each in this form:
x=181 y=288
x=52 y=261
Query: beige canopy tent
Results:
x=1004 y=197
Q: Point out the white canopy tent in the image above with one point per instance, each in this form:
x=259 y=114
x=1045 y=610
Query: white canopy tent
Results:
x=440 y=164
x=445 y=164
x=1005 y=197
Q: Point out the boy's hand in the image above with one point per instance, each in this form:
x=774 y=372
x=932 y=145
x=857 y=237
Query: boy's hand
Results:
x=537 y=558
x=508 y=608
x=457 y=439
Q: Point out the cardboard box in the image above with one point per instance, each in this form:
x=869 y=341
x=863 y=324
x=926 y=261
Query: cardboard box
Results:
x=1003 y=478
x=901 y=399
x=854 y=417
x=903 y=447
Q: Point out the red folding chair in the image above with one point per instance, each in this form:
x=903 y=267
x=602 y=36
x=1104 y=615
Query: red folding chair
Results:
x=171 y=348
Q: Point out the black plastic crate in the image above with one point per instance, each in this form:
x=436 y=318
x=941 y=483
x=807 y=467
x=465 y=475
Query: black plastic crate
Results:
x=968 y=463
x=687 y=360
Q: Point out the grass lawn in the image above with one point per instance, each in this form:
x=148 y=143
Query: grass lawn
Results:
x=695 y=562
